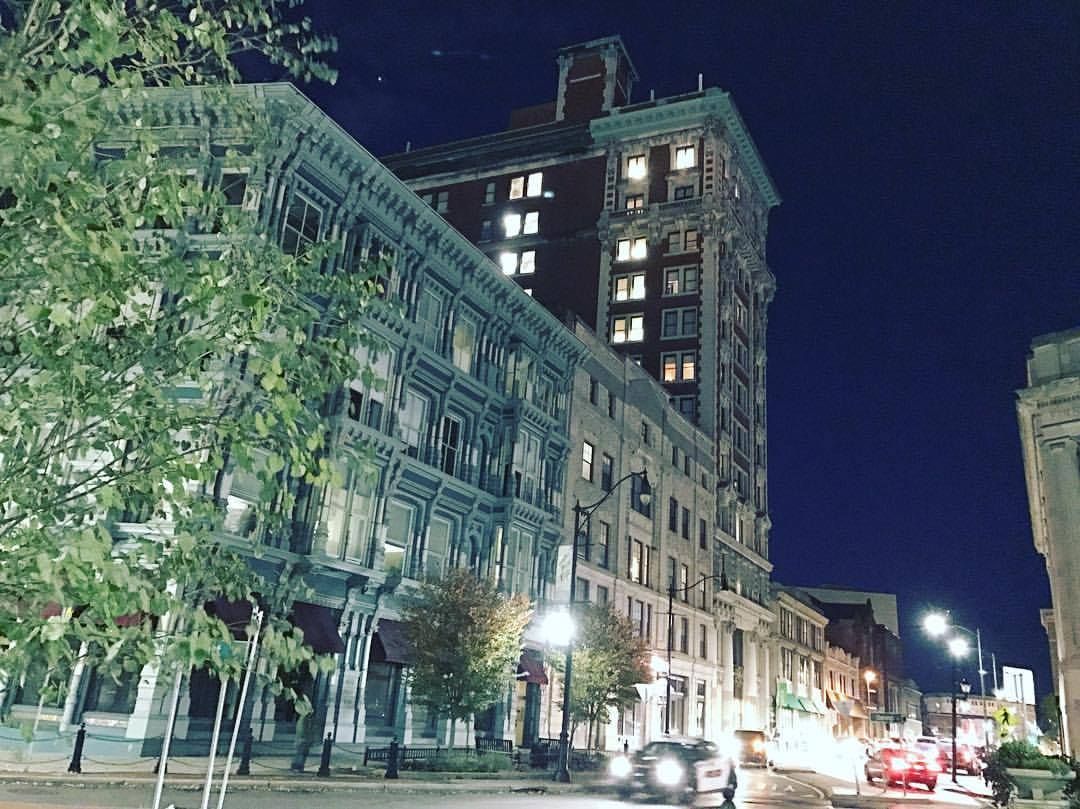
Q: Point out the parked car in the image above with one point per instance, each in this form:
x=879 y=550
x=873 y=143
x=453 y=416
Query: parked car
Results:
x=967 y=758
x=674 y=769
x=751 y=747
x=894 y=765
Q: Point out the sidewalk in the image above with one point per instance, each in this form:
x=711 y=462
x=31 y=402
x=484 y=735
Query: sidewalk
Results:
x=186 y=774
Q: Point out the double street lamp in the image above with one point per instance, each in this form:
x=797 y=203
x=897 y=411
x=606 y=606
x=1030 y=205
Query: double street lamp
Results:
x=564 y=626
x=672 y=590
x=938 y=625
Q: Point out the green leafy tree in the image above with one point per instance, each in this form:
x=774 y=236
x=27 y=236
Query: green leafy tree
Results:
x=466 y=637
x=154 y=342
x=609 y=660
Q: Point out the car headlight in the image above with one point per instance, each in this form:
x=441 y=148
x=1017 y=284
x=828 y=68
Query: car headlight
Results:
x=620 y=767
x=669 y=772
x=758 y=745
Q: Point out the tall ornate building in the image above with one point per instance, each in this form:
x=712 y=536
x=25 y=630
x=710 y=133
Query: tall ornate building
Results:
x=1048 y=410
x=468 y=426
x=648 y=220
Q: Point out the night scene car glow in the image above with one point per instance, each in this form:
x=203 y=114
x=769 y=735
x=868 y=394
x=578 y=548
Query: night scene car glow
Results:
x=674 y=768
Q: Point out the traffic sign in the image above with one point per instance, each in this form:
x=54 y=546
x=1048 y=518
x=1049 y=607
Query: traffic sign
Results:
x=882 y=716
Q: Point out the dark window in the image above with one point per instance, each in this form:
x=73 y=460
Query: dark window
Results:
x=636 y=500
x=686 y=523
x=684 y=192
x=703 y=534
x=594 y=391
x=607 y=471
x=673 y=514
x=737 y=647
x=485 y=230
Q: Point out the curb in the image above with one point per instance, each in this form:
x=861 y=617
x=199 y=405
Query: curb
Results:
x=848 y=801
x=406 y=786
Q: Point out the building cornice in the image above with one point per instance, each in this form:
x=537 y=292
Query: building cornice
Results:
x=625 y=123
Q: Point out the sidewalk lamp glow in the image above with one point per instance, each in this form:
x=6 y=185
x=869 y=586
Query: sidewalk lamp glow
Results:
x=558 y=628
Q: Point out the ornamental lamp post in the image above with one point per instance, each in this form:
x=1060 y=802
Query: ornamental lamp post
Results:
x=938 y=624
x=581 y=518
x=958 y=648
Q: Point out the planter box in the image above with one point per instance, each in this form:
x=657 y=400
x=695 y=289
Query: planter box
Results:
x=1038 y=784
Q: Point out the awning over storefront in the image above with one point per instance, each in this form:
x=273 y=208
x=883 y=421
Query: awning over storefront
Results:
x=395 y=642
x=531 y=669
x=808 y=705
x=234 y=614
x=785 y=699
x=319 y=625
x=858 y=711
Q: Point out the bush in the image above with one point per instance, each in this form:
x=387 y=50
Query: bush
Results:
x=460 y=762
x=1020 y=755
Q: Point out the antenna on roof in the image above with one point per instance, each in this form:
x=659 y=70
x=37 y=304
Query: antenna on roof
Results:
x=408 y=146
x=700 y=78
x=652 y=95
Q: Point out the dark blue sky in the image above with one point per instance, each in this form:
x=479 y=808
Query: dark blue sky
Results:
x=928 y=156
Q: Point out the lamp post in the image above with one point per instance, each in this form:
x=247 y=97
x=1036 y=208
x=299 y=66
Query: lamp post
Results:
x=958 y=648
x=581 y=517
x=870 y=676
x=672 y=590
x=938 y=624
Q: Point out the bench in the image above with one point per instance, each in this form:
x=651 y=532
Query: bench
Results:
x=405 y=753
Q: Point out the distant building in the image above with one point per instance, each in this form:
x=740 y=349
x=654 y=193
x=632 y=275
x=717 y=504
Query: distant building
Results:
x=802 y=716
x=884 y=604
x=854 y=627
x=848 y=717
x=971 y=726
x=1048 y=410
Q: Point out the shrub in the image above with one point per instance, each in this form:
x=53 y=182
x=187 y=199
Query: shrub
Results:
x=1020 y=755
x=460 y=762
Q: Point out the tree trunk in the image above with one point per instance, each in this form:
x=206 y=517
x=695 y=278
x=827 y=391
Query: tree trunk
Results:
x=453 y=732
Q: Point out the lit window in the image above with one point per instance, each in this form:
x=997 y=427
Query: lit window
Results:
x=512 y=225
x=442 y=201
x=517 y=188
x=535 y=184
x=688 y=368
x=587 y=450
x=690 y=240
x=631 y=249
x=670 y=366
x=532 y=222
x=684 y=157
x=630 y=287
x=635 y=166
x=635 y=202
x=528 y=262
x=464 y=342
x=489 y=193
x=528 y=291
x=628 y=329
x=508 y=262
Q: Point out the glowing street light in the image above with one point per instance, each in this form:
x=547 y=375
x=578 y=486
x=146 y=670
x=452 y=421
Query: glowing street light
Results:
x=936 y=624
x=958 y=648
x=558 y=628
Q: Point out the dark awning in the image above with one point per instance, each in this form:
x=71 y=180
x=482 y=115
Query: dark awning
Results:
x=531 y=669
x=395 y=642
x=234 y=614
x=319 y=625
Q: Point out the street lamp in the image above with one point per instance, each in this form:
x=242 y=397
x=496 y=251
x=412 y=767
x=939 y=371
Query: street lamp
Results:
x=937 y=624
x=672 y=590
x=581 y=517
x=958 y=648
x=870 y=676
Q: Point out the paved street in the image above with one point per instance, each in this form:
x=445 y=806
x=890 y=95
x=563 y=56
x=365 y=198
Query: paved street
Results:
x=756 y=788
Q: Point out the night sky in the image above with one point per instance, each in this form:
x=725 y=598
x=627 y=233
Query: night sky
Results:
x=928 y=157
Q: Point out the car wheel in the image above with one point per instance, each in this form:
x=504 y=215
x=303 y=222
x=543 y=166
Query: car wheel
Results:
x=624 y=793
x=869 y=777
x=932 y=785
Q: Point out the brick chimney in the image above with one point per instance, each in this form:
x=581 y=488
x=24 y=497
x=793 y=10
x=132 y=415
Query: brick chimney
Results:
x=594 y=77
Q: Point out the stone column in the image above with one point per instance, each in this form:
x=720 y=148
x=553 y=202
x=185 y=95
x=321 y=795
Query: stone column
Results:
x=727 y=699
x=1061 y=481
x=752 y=708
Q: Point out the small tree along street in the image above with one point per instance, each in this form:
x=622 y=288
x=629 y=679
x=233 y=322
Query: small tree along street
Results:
x=154 y=343
x=609 y=660
x=467 y=640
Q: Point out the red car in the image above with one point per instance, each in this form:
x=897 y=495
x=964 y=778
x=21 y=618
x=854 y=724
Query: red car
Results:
x=894 y=765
